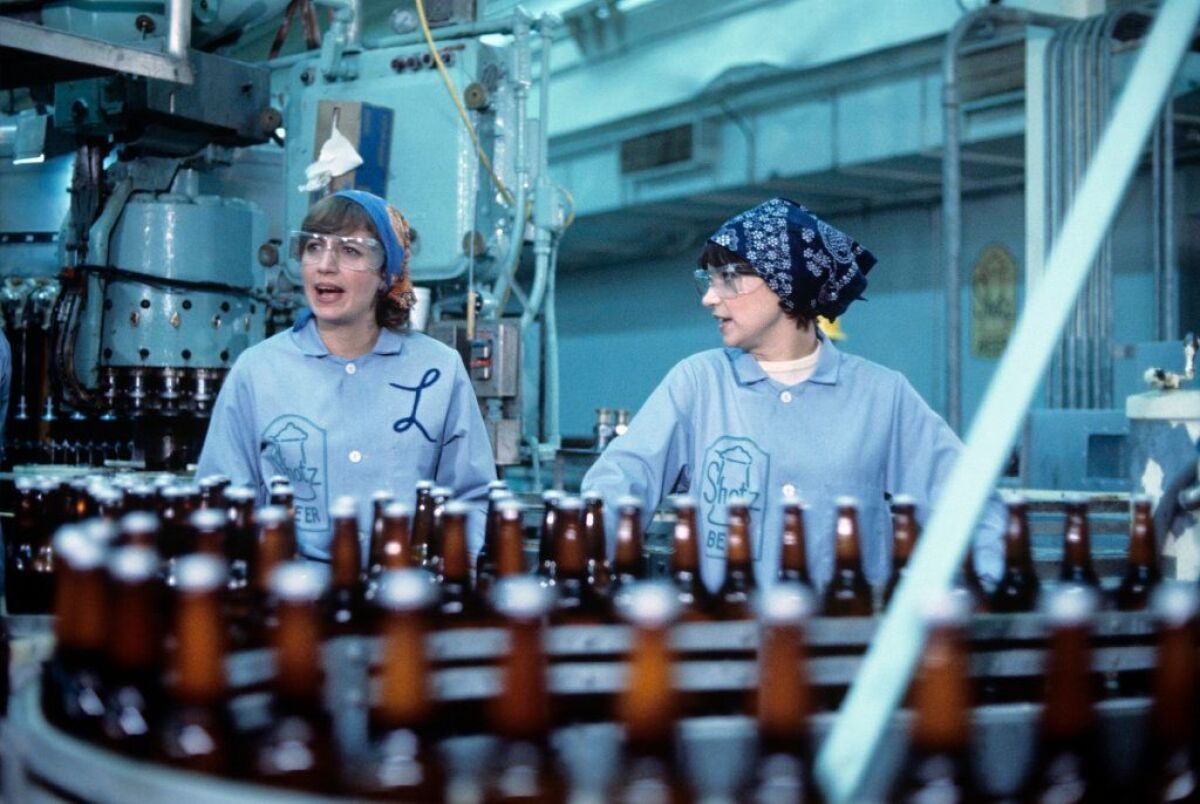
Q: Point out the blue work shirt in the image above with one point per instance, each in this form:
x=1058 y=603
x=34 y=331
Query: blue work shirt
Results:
x=720 y=429
x=403 y=412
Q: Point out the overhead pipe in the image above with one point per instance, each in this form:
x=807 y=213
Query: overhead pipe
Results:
x=852 y=746
x=179 y=30
x=952 y=186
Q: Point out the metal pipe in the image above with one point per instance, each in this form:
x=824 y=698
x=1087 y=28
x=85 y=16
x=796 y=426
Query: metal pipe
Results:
x=467 y=31
x=1171 y=273
x=179 y=29
x=852 y=745
x=952 y=188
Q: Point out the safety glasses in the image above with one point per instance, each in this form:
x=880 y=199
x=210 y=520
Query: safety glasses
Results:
x=350 y=253
x=727 y=281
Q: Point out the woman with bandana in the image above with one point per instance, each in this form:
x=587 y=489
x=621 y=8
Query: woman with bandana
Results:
x=780 y=412
x=349 y=400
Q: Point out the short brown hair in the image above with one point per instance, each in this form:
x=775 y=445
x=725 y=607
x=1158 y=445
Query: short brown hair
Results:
x=336 y=214
x=715 y=255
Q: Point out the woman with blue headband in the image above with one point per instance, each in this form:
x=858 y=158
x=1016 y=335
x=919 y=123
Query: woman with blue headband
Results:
x=349 y=400
x=780 y=412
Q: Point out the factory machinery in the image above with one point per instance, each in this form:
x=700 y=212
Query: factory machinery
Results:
x=149 y=182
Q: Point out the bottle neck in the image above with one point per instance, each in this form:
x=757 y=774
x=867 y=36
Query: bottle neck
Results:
x=198 y=661
x=510 y=549
x=455 y=560
x=395 y=551
x=1141 y=538
x=297 y=651
x=345 y=554
x=685 y=552
x=647 y=706
x=522 y=709
x=628 y=555
x=593 y=530
x=273 y=550
x=793 y=562
x=404 y=700
x=847 y=553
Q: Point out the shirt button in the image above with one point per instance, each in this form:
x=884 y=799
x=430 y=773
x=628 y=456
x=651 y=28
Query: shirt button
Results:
x=789 y=490
x=355 y=456
x=351 y=368
x=785 y=397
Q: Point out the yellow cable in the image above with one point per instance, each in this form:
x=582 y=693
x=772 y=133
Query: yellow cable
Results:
x=462 y=112
x=570 y=199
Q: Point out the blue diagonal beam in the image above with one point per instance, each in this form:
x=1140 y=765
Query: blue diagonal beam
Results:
x=850 y=749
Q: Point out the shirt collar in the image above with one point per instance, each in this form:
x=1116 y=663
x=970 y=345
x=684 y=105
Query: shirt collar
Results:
x=747 y=371
x=305 y=336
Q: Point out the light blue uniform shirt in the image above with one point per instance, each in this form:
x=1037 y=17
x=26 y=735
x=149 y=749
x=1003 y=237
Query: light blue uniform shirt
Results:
x=403 y=412
x=720 y=429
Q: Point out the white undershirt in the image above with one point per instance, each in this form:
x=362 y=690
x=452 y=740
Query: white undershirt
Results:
x=791 y=372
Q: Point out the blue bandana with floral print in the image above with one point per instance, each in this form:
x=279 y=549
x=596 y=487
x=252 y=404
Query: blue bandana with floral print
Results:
x=811 y=266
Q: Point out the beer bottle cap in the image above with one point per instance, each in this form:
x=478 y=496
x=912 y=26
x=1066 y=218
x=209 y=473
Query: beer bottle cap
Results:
x=793 y=501
x=551 y=494
x=206 y=519
x=161 y=481
x=946 y=607
x=271 y=515
x=423 y=484
x=141 y=489
x=344 y=507
x=139 y=523
x=282 y=488
x=683 y=501
x=406 y=590
x=522 y=597
x=457 y=508
x=570 y=504
x=509 y=508
x=198 y=572
x=24 y=483
x=846 y=501
x=592 y=494
x=101 y=531
x=442 y=491
x=46 y=484
x=299 y=581
x=381 y=495
x=395 y=508
x=786 y=603
x=496 y=485
x=106 y=495
x=239 y=494
x=277 y=480
x=1014 y=498
x=133 y=564
x=209 y=481
x=182 y=490
x=1175 y=603
x=629 y=501
x=1069 y=605
x=903 y=499
x=496 y=495
x=651 y=604
x=73 y=546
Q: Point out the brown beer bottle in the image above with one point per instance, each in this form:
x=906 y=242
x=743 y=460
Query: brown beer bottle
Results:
x=577 y=602
x=1168 y=768
x=848 y=593
x=240 y=535
x=19 y=549
x=647 y=707
x=905 y=531
x=1077 y=546
x=524 y=767
x=175 y=510
x=783 y=771
x=296 y=749
x=939 y=757
x=485 y=562
x=283 y=495
x=274 y=548
x=734 y=600
x=395 y=548
x=207 y=531
x=379 y=500
x=793 y=553
x=403 y=762
x=547 y=546
x=510 y=540
x=109 y=501
x=135 y=636
x=422 y=521
x=212 y=490
x=138 y=529
x=1141 y=569
x=971 y=584
x=458 y=605
x=41 y=572
x=439 y=496
x=1019 y=585
x=629 y=564
x=344 y=602
x=1068 y=764
x=599 y=571
x=72 y=680
x=694 y=598
x=197 y=731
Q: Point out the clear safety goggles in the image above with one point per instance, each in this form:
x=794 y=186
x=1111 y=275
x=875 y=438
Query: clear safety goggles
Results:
x=727 y=281
x=350 y=253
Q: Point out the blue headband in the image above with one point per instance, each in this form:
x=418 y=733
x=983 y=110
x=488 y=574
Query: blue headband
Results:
x=377 y=209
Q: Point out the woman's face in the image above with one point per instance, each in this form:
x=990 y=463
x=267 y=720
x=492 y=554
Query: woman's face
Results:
x=339 y=296
x=752 y=320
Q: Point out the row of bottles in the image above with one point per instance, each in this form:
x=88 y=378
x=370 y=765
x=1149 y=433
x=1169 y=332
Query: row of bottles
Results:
x=140 y=668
